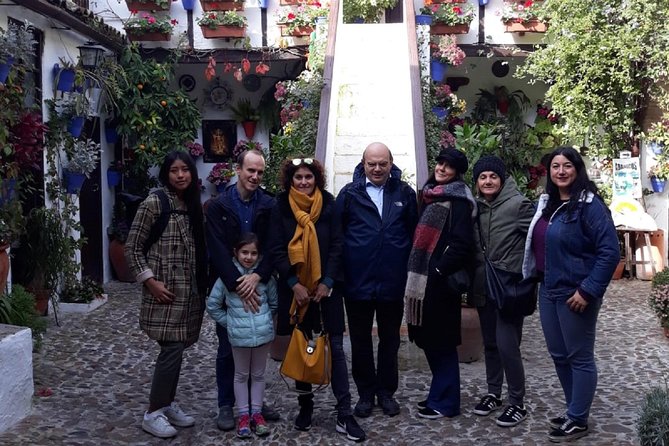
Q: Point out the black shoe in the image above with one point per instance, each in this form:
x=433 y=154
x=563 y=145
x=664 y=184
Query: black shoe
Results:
x=421 y=404
x=225 y=420
x=556 y=422
x=303 y=420
x=269 y=413
x=430 y=414
x=512 y=416
x=389 y=406
x=347 y=425
x=364 y=408
x=569 y=431
x=487 y=405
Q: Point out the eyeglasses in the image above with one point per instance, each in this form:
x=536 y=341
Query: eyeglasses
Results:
x=298 y=161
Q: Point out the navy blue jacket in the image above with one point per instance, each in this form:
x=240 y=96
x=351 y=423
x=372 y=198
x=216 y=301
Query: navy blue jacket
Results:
x=223 y=232
x=376 y=250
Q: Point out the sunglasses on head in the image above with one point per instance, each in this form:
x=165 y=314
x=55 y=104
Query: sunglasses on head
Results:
x=298 y=161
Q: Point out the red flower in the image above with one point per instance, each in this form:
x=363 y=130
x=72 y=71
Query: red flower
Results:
x=457 y=10
x=174 y=22
x=291 y=16
x=227 y=67
x=212 y=16
x=528 y=3
x=246 y=65
x=210 y=71
x=262 y=68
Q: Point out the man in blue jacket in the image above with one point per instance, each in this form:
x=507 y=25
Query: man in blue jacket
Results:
x=241 y=208
x=379 y=215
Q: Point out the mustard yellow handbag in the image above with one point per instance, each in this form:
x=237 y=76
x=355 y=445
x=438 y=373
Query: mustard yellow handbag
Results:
x=308 y=360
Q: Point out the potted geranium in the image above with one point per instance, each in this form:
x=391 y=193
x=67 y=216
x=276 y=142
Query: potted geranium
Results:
x=148 y=27
x=220 y=175
x=449 y=18
x=195 y=149
x=524 y=16
x=444 y=51
x=299 y=22
x=443 y=99
x=659 y=298
x=217 y=24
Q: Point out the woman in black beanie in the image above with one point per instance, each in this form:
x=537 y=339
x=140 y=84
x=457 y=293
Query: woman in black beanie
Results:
x=442 y=245
x=502 y=224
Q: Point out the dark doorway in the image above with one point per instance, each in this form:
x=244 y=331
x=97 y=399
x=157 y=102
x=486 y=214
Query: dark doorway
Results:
x=90 y=212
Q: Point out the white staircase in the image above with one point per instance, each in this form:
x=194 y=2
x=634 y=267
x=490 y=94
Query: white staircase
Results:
x=370 y=99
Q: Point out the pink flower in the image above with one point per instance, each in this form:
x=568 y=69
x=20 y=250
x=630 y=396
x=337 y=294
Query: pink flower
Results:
x=151 y=20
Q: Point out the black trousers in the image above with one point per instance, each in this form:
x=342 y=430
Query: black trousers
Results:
x=166 y=373
x=382 y=379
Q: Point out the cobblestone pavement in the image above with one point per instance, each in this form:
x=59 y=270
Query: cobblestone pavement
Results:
x=99 y=367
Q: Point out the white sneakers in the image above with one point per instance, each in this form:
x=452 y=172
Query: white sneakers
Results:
x=178 y=417
x=156 y=424
x=159 y=422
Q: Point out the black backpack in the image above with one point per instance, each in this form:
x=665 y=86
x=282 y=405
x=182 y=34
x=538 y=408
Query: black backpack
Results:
x=161 y=223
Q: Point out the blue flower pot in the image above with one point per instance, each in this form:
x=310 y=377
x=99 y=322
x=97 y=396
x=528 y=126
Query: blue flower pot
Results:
x=358 y=20
x=7 y=188
x=188 y=4
x=111 y=135
x=440 y=112
x=113 y=177
x=5 y=68
x=483 y=2
x=76 y=125
x=656 y=147
x=437 y=70
x=74 y=181
x=657 y=184
x=263 y=4
x=65 y=79
x=423 y=19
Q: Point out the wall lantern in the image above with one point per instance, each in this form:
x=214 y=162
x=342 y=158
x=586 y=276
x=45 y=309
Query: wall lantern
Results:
x=91 y=55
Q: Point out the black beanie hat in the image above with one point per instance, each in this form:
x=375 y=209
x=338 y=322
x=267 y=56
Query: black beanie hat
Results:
x=490 y=163
x=455 y=158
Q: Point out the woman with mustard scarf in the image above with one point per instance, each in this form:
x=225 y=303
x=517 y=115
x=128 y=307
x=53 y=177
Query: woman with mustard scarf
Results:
x=307 y=250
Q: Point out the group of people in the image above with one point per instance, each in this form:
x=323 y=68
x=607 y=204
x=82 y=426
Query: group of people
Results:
x=376 y=251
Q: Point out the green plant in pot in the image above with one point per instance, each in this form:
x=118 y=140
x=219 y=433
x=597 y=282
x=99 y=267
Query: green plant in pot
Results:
x=81 y=291
x=18 y=308
x=659 y=297
x=49 y=253
x=247 y=115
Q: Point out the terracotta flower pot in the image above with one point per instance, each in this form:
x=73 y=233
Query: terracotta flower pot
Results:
x=223 y=31
x=146 y=6
x=532 y=26
x=249 y=128
x=300 y=31
x=440 y=28
x=148 y=37
x=221 y=6
x=119 y=264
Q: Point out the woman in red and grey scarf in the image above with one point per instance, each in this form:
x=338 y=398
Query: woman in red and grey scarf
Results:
x=442 y=245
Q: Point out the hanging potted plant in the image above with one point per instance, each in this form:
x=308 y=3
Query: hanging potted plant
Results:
x=444 y=51
x=449 y=18
x=72 y=109
x=83 y=157
x=16 y=44
x=300 y=21
x=658 y=174
x=366 y=11
x=246 y=115
x=230 y=5
x=220 y=175
x=218 y=24
x=657 y=136
x=521 y=16
x=146 y=27
x=148 y=5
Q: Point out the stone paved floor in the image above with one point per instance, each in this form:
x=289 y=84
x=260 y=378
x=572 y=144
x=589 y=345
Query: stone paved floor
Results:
x=99 y=369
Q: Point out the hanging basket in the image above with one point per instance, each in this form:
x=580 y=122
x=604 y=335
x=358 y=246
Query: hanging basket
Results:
x=223 y=31
x=76 y=125
x=65 y=79
x=111 y=135
x=188 y=4
x=222 y=6
x=657 y=184
x=532 y=26
x=423 y=19
x=5 y=68
x=438 y=70
x=440 y=112
x=440 y=28
x=7 y=190
x=74 y=181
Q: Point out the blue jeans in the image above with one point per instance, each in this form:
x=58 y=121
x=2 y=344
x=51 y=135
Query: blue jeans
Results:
x=225 y=369
x=339 y=380
x=444 y=393
x=570 y=338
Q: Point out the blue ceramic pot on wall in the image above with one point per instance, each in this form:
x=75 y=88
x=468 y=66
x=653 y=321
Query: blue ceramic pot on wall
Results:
x=423 y=19
x=76 y=125
x=5 y=68
x=657 y=184
x=65 y=79
x=74 y=181
x=437 y=70
x=113 y=177
x=188 y=4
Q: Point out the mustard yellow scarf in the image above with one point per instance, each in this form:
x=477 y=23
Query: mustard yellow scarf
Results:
x=303 y=249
